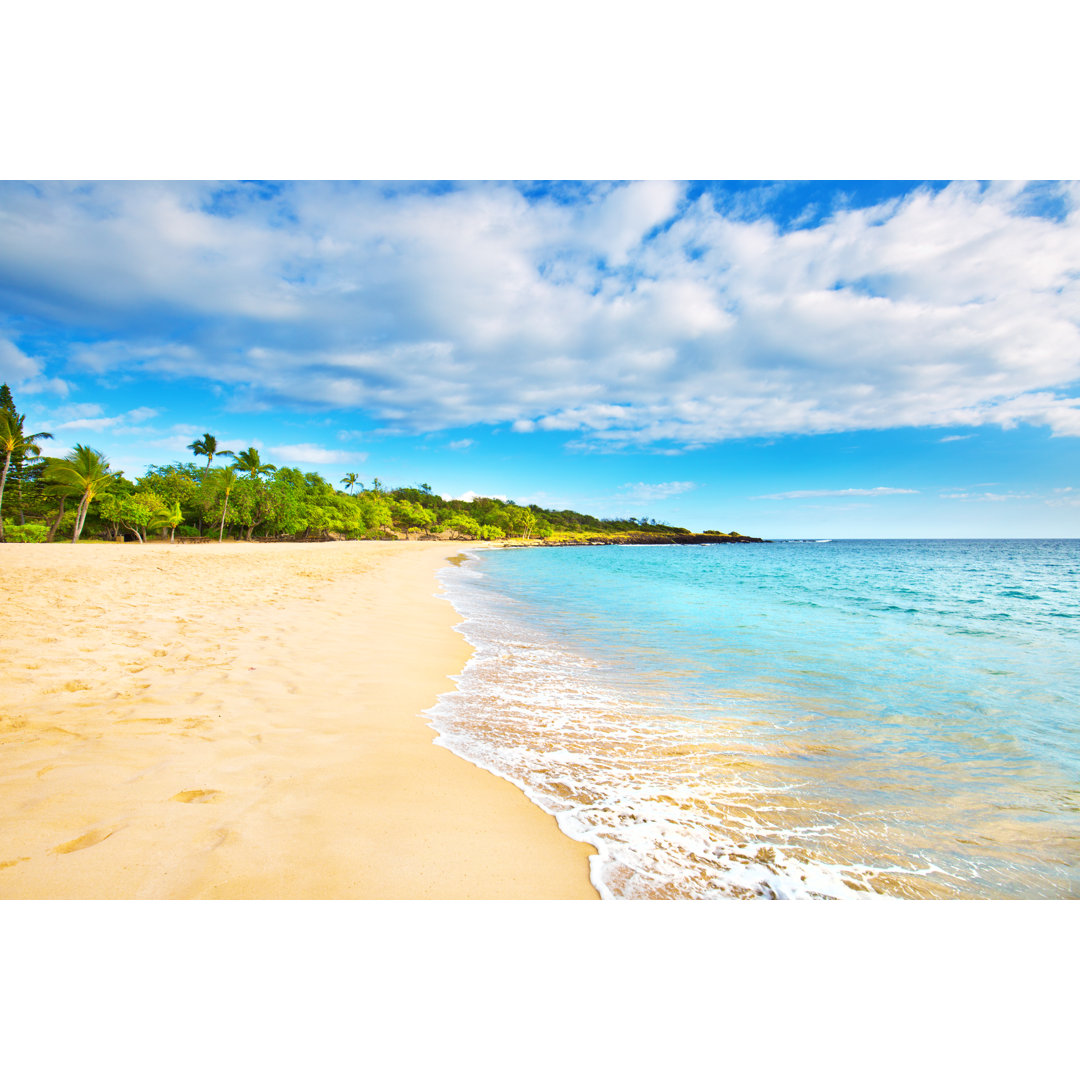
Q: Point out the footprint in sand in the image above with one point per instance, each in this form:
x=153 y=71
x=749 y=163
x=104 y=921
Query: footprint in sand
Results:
x=72 y=686
x=197 y=795
x=95 y=836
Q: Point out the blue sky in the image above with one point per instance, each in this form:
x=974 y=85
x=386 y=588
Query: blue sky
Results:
x=785 y=359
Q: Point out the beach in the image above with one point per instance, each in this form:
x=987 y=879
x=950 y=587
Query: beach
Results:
x=245 y=721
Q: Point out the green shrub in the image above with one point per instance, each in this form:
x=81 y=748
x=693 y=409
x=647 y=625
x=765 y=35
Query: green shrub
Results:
x=30 y=533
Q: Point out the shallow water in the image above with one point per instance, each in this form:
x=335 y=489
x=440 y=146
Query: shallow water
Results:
x=844 y=719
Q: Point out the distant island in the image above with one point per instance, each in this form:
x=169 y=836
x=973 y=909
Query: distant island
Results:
x=44 y=499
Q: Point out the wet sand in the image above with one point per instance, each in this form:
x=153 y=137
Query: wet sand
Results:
x=243 y=721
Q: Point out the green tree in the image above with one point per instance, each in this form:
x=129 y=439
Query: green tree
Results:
x=248 y=461
x=377 y=517
x=463 y=525
x=172 y=517
x=207 y=447
x=226 y=481
x=179 y=483
x=14 y=444
x=350 y=481
x=412 y=517
x=251 y=505
x=85 y=473
x=136 y=511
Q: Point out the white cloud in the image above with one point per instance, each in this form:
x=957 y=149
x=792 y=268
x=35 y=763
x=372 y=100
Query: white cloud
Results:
x=988 y=496
x=460 y=444
x=1066 y=496
x=627 y=318
x=955 y=438
x=310 y=454
x=55 y=387
x=24 y=372
x=616 y=224
x=87 y=417
x=844 y=493
x=649 y=492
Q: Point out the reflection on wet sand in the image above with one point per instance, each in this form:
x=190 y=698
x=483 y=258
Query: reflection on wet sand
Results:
x=743 y=807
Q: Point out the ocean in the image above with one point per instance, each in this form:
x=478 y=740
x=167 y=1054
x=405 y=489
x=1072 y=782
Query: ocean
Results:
x=844 y=719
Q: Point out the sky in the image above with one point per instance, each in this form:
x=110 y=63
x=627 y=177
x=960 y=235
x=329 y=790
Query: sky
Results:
x=787 y=359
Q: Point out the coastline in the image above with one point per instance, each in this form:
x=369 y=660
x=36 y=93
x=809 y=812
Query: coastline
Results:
x=244 y=721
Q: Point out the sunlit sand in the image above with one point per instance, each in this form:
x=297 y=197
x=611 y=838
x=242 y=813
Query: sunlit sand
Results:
x=244 y=721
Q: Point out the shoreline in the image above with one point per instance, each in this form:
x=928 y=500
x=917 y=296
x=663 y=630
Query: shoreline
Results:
x=246 y=721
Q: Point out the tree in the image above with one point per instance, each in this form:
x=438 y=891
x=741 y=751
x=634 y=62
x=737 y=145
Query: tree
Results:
x=463 y=525
x=251 y=504
x=172 y=517
x=14 y=443
x=226 y=482
x=179 y=483
x=412 y=517
x=207 y=447
x=85 y=473
x=56 y=520
x=248 y=461
x=350 y=481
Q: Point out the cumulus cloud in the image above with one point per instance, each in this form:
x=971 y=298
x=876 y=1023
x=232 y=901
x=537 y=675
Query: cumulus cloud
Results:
x=25 y=373
x=844 y=493
x=627 y=316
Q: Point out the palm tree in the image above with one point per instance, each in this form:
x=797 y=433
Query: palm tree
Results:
x=84 y=472
x=170 y=519
x=226 y=482
x=248 y=461
x=351 y=481
x=14 y=444
x=64 y=496
x=207 y=447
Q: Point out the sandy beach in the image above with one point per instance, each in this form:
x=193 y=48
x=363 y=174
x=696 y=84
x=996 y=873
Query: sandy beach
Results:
x=244 y=721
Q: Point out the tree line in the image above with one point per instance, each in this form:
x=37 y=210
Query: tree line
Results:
x=44 y=499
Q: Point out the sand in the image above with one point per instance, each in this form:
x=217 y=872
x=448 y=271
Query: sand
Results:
x=243 y=721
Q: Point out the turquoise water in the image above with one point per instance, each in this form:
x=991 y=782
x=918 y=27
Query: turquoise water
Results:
x=852 y=718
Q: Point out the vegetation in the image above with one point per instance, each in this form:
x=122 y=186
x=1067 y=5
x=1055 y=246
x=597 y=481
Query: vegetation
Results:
x=249 y=499
x=83 y=473
x=17 y=449
x=207 y=447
